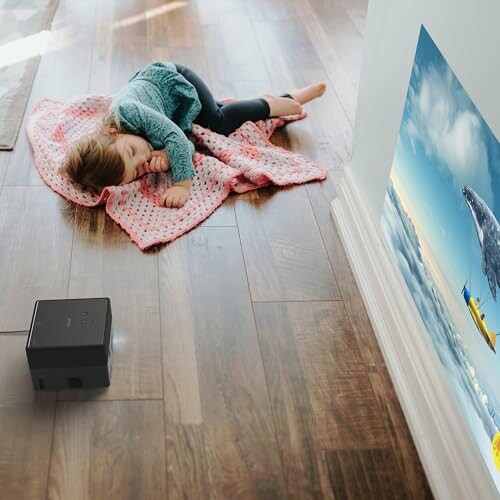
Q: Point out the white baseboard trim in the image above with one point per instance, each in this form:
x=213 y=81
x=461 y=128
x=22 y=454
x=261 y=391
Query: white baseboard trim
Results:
x=453 y=464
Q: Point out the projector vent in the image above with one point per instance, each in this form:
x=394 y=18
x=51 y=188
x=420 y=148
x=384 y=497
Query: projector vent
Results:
x=74 y=382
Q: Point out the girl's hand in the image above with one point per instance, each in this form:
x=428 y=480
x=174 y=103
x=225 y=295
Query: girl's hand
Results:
x=174 y=197
x=158 y=163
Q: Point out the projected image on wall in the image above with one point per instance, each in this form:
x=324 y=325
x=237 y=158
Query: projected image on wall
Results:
x=440 y=219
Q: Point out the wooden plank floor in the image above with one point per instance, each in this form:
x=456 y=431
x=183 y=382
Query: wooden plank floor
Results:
x=245 y=365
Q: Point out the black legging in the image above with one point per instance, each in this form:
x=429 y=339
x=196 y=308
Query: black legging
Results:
x=224 y=118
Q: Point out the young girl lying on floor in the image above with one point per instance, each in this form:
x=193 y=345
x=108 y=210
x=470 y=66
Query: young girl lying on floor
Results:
x=144 y=129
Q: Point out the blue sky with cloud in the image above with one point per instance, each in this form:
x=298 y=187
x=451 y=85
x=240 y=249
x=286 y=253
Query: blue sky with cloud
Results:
x=443 y=144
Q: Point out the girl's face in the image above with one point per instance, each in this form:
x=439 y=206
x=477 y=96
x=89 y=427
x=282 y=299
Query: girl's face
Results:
x=135 y=152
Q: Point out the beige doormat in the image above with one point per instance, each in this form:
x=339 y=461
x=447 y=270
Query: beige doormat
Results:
x=22 y=27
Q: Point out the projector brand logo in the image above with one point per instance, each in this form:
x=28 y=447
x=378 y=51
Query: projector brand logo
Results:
x=83 y=320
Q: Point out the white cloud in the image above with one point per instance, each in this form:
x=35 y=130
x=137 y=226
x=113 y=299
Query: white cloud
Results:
x=442 y=120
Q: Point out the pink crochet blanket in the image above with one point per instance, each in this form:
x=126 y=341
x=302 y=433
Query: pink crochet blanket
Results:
x=243 y=161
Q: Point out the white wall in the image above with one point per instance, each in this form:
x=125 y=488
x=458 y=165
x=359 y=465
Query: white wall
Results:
x=466 y=32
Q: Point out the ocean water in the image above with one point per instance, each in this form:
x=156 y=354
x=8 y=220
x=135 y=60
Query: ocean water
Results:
x=479 y=409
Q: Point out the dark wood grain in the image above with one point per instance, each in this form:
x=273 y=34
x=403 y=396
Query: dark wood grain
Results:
x=25 y=451
x=394 y=421
x=343 y=399
x=296 y=427
x=216 y=391
x=207 y=322
x=284 y=253
x=35 y=252
x=365 y=473
x=403 y=447
x=321 y=196
x=105 y=264
x=108 y=450
x=319 y=388
x=188 y=467
x=26 y=425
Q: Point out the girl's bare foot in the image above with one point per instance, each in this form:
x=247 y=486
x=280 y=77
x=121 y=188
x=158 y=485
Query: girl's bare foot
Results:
x=282 y=106
x=308 y=93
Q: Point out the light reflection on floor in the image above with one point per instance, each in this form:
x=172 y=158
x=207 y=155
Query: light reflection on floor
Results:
x=33 y=45
x=118 y=341
x=149 y=14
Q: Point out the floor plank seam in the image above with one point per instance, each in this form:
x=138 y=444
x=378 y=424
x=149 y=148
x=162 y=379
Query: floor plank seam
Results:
x=295 y=301
x=332 y=267
x=163 y=389
x=51 y=451
x=106 y=400
x=268 y=395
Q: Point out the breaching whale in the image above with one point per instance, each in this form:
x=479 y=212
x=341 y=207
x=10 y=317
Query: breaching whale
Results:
x=488 y=234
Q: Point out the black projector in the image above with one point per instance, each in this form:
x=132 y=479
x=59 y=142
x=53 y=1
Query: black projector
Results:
x=69 y=343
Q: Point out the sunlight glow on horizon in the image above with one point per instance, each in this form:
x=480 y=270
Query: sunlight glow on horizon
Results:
x=430 y=258
x=405 y=201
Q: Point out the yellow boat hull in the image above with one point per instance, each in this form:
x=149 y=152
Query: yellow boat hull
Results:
x=488 y=336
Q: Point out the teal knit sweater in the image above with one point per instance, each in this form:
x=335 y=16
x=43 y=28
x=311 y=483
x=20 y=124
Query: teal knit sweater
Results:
x=159 y=104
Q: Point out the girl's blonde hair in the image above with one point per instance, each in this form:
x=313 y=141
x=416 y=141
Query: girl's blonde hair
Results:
x=92 y=163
